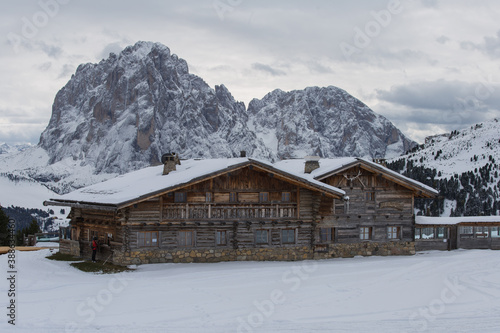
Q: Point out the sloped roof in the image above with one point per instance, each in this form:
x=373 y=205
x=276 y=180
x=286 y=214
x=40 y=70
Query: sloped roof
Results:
x=149 y=182
x=429 y=220
x=329 y=167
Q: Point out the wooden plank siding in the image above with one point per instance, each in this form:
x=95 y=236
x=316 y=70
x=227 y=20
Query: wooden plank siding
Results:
x=374 y=202
x=239 y=237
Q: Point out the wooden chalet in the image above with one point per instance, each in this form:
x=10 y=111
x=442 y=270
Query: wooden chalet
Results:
x=245 y=209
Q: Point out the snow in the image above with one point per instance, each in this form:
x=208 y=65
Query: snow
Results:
x=24 y=193
x=397 y=175
x=53 y=245
x=150 y=180
x=455 y=220
x=457 y=151
x=455 y=291
x=329 y=165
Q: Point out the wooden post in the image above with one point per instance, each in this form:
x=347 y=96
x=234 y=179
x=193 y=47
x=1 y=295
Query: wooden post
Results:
x=161 y=209
x=298 y=202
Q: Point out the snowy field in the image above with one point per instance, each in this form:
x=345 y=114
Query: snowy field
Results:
x=455 y=291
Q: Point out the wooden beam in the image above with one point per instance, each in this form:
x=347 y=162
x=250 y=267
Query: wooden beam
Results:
x=81 y=205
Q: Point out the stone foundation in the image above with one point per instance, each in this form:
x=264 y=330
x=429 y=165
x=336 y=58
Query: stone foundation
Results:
x=365 y=249
x=70 y=247
x=149 y=256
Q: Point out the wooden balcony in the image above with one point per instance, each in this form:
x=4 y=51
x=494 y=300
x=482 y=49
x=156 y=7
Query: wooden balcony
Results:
x=229 y=212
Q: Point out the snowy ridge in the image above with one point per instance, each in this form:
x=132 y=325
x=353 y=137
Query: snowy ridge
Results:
x=460 y=151
x=463 y=165
x=9 y=149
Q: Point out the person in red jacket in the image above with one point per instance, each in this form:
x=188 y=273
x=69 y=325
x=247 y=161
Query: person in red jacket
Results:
x=94 y=248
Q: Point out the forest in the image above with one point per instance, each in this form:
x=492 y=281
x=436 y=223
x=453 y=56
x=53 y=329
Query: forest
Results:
x=475 y=192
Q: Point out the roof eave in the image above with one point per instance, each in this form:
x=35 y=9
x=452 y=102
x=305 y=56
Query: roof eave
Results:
x=80 y=204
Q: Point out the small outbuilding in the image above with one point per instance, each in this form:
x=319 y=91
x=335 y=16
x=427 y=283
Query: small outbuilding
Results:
x=449 y=233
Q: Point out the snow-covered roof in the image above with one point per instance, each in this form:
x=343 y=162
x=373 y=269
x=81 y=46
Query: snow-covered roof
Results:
x=149 y=181
x=400 y=176
x=428 y=220
x=330 y=166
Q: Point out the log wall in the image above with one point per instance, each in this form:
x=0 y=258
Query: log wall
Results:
x=374 y=202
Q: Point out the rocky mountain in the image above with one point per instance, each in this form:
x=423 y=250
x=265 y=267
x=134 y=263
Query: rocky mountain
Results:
x=124 y=112
x=326 y=122
x=463 y=165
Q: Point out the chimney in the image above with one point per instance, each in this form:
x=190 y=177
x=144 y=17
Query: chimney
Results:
x=243 y=153
x=169 y=160
x=312 y=163
x=381 y=161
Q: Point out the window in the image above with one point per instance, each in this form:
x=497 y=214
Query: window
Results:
x=208 y=197
x=418 y=233
x=180 y=197
x=288 y=236
x=481 y=232
x=147 y=238
x=427 y=233
x=264 y=196
x=440 y=232
x=393 y=232
x=233 y=197
x=495 y=232
x=365 y=233
x=431 y=233
x=261 y=236
x=220 y=237
x=186 y=238
x=370 y=196
x=285 y=196
x=326 y=235
x=466 y=232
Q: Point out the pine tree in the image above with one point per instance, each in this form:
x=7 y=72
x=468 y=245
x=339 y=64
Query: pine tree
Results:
x=32 y=229
x=4 y=229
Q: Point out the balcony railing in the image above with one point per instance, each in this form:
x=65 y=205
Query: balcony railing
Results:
x=225 y=211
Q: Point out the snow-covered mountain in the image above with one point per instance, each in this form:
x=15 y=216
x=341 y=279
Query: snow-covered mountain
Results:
x=326 y=122
x=460 y=151
x=463 y=165
x=124 y=112
x=12 y=149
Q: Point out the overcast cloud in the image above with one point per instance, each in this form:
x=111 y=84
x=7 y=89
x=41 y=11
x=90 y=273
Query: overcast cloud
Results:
x=429 y=66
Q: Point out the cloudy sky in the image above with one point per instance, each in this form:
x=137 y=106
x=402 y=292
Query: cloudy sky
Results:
x=429 y=66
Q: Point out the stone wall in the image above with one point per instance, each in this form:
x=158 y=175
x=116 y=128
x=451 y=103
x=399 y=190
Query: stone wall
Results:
x=70 y=247
x=365 y=249
x=147 y=256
